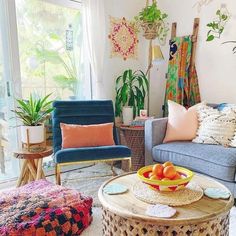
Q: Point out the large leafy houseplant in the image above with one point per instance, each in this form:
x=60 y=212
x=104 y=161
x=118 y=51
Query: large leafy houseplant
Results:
x=63 y=58
x=32 y=113
x=152 y=21
x=131 y=90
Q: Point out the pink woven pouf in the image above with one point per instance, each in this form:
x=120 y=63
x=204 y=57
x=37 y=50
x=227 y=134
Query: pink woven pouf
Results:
x=42 y=208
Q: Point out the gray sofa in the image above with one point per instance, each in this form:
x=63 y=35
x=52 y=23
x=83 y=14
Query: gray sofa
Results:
x=213 y=160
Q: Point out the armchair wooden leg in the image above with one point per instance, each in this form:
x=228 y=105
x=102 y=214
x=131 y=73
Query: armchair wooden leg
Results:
x=58 y=174
x=112 y=169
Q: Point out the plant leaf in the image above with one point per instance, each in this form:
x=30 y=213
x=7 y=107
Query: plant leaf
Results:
x=210 y=38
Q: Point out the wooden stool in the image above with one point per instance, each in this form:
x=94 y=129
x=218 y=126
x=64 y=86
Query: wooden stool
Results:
x=31 y=168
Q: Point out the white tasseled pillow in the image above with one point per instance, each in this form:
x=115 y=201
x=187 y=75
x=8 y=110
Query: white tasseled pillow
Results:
x=215 y=127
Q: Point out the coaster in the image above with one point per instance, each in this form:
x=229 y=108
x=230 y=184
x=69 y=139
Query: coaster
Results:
x=113 y=189
x=191 y=193
x=161 y=211
x=217 y=193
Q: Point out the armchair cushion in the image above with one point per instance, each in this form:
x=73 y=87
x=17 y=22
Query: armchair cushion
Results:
x=91 y=153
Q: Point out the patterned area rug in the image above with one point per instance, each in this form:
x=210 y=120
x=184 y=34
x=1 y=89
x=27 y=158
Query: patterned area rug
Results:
x=82 y=179
x=86 y=180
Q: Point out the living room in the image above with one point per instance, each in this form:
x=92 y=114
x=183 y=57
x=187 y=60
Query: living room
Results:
x=117 y=117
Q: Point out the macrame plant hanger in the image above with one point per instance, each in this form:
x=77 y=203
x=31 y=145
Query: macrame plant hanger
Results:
x=194 y=39
x=150 y=31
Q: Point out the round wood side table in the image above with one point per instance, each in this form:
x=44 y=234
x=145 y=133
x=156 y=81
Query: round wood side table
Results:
x=124 y=214
x=133 y=137
x=31 y=168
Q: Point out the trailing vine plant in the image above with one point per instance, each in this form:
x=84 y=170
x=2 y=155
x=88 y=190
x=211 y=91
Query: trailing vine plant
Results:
x=217 y=26
x=153 y=23
x=233 y=42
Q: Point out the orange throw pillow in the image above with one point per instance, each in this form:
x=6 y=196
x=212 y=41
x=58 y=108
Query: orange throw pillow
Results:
x=76 y=136
x=182 y=123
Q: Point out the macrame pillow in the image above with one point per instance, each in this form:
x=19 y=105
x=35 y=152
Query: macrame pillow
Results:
x=232 y=108
x=215 y=127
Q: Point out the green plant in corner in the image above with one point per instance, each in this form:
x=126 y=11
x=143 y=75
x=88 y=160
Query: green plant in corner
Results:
x=131 y=90
x=33 y=112
x=217 y=26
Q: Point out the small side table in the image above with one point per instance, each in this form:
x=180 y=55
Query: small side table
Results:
x=133 y=137
x=31 y=168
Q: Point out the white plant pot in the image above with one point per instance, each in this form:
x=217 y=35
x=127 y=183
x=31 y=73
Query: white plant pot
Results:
x=36 y=134
x=127 y=115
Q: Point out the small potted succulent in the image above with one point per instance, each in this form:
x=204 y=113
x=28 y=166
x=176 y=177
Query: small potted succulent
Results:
x=131 y=90
x=151 y=19
x=32 y=113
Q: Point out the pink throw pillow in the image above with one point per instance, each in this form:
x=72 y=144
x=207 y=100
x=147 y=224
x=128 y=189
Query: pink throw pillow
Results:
x=182 y=123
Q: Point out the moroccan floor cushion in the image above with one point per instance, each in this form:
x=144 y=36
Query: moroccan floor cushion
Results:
x=42 y=208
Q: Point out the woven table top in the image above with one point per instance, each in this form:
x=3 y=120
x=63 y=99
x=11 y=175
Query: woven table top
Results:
x=128 y=206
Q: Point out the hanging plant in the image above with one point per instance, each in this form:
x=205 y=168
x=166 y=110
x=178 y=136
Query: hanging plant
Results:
x=151 y=20
x=217 y=26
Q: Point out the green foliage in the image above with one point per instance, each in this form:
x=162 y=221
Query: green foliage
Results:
x=131 y=90
x=66 y=60
x=33 y=111
x=42 y=25
x=217 y=26
x=151 y=14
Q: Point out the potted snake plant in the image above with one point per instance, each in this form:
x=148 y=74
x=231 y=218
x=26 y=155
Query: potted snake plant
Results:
x=32 y=113
x=131 y=90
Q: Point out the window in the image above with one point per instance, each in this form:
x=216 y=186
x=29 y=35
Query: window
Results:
x=51 y=48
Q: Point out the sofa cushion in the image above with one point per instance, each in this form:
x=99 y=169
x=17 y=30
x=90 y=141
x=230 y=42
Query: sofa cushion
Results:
x=92 y=153
x=214 y=160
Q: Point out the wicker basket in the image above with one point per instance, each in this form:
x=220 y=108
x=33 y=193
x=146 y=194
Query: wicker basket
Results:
x=134 y=139
x=150 y=30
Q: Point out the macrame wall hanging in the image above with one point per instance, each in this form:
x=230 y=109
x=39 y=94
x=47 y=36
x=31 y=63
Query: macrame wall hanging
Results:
x=123 y=38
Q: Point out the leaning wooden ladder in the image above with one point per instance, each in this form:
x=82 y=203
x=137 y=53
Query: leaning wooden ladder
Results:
x=194 y=38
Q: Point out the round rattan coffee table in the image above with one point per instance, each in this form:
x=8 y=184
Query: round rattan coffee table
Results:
x=124 y=214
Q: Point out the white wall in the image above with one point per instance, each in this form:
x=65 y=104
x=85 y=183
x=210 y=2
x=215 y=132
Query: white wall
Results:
x=116 y=65
x=216 y=64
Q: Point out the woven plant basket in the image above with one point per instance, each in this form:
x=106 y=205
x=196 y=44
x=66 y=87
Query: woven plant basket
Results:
x=150 y=30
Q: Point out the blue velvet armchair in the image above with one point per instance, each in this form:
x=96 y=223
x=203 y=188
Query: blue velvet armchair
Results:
x=84 y=113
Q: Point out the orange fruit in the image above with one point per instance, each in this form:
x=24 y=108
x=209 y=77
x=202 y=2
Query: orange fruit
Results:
x=154 y=177
x=169 y=172
x=177 y=176
x=150 y=175
x=168 y=163
x=157 y=169
x=165 y=179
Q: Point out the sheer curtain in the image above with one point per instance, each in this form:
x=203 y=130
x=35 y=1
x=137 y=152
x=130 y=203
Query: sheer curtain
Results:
x=94 y=29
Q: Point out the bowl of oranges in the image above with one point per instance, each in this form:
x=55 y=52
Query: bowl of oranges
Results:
x=165 y=177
